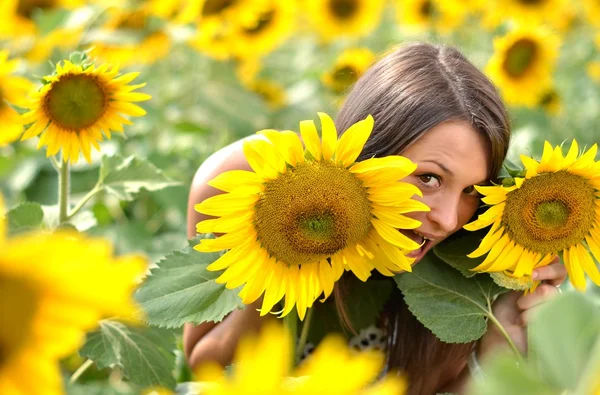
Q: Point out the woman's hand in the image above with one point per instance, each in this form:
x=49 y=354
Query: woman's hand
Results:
x=514 y=311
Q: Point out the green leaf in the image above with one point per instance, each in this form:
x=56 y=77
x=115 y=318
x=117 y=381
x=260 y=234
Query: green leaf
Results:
x=182 y=290
x=454 y=250
x=124 y=177
x=452 y=306
x=562 y=337
x=24 y=217
x=504 y=375
x=144 y=354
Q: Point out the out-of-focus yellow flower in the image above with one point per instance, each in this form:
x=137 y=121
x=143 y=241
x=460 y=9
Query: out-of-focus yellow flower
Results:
x=53 y=289
x=17 y=15
x=263 y=365
x=440 y=15
x=271 y=92
x=523 y=63
x=273 y=23
x=591 y=10
x=344 y=18
x=78 y=104
x=13 y=90
x=348 y=68
x=220 y=11
x=63 y=38
x=593 y=70
x=556 y=13
x=551 y=102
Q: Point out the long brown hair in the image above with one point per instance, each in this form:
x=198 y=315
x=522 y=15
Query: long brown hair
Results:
x=408 y=92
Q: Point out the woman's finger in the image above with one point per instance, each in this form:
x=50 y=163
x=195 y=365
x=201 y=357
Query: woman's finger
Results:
x=541 y=295
x=554 y=274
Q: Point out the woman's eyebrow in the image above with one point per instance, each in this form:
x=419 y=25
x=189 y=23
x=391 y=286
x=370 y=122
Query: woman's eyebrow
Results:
x=440 y=165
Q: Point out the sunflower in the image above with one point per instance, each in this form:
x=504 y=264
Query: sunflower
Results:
x=272 y=24
x=440 y=15
x=303 y=216
x=348 y=68
x=13 y=90
x=593 y=70
x=215 y=39
x=62 y=38
x=53 y=289
x=349 y=18
x=554 y=208
x=263 y=365
x=77 y=104
x=219 y=11
x=270 y=91
x=591 y=10
x=550 y=102
x=527 y=12
x=522 y=64
x=17 y=15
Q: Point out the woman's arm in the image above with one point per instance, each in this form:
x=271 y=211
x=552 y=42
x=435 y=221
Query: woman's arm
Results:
x=216 y=341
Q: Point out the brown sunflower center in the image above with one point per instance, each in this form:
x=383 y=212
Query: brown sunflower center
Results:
x=262 y=23
x=426 y=9
x=532 y=2
x=76 y=102
x=520 y=56
x=136 y=20
x=214 y=7
x=311 y=212
x=18 y=306
x=26 y=8
x=343 y=9
x=550 y=212
x=344 y=77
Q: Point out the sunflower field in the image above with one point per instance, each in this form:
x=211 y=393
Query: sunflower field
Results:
x=108 y=108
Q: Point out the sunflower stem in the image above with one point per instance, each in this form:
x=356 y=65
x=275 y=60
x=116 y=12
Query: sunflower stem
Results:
x=63 y=191
x=80 y=370
x=83 y=201
x=291 y=324
x=507 y=337
x=304 y=333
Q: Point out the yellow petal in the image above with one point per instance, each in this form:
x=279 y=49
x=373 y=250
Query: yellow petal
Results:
x=228 y=203
x=531 y=165
x=326 y=278
x=353 y=140
x=487 y=243
x=256 y=161
x=487 y=218
x=393 y=236
x=574 y=270
x=329 y=136
x=396 y=220
x=230 y=180
x=310 y=137
x=587 y=263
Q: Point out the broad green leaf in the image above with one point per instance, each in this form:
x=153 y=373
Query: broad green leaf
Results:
x=504 y=375
x=182 y=290
x=454 y=250
x=145 y=355
x=562 y=337
x=24 y=217
x=364 y=302
x=452 y=306
x=124 y=177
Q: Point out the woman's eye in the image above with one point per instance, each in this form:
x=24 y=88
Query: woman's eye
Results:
x=430 y=180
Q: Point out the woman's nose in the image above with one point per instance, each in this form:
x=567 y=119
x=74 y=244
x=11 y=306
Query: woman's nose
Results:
x=444 y=214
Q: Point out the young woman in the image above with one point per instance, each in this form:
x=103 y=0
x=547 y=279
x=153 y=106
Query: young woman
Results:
x=433 y=106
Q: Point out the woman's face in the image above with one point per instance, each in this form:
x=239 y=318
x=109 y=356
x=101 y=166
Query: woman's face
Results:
x=451 y=158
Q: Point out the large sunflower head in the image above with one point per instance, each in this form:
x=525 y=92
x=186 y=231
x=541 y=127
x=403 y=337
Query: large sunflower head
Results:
x=554 y=208
x=522 y=64
x=53 y=289
x=263 y=365
x=77 y=104
x=348 y=68
x=303 y=216
x=349 y=18
x=13 y=90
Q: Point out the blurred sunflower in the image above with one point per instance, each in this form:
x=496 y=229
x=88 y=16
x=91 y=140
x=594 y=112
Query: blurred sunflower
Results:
x=77 y=104
x=591 y=10
x=303 y=216
x=532 y=13
x=550 y=102
x=593 y=70
x=140 y=42
x=263 y=365
x=348 y=68
x=53 y=289
x=554 y=208
x=215 y=39
x=522 y=64
x=219 y=11
x=63 y=38
x=348 y=18
x=13 y=90
x=271 y=92
x=273 y=23
x=440 y=15
x=17 y=15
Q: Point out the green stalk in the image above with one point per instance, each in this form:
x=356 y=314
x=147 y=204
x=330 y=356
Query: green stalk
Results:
x=304 y=333
x=507 y=337
x=80 y=370
x=63 y=191
x=83 y=201
x=291 y=324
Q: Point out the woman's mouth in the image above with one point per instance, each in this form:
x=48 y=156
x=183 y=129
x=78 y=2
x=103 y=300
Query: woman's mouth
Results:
x=424 y=242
